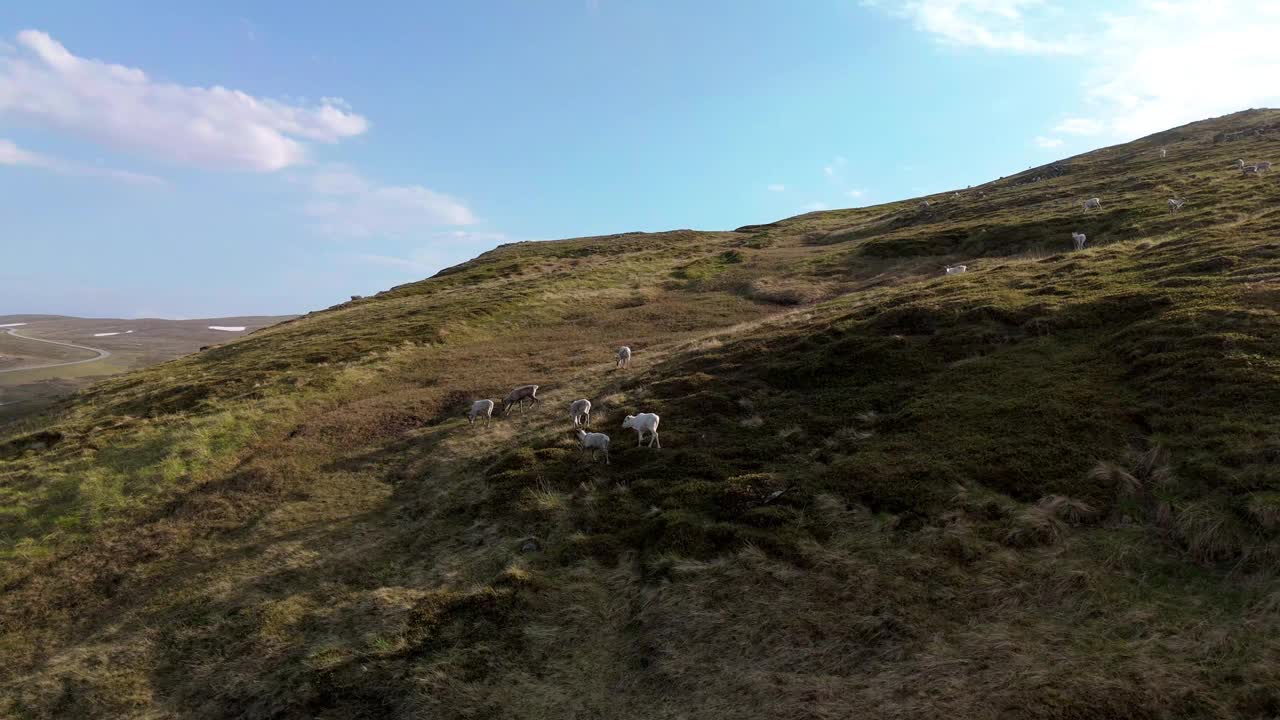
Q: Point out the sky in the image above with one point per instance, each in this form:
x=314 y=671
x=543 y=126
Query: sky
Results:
x=269 y=158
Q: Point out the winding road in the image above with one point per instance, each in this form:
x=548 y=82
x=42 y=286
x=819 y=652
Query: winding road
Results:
x=102 y=354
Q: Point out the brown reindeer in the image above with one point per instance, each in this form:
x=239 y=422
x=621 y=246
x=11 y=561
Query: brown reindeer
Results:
x=518 y=396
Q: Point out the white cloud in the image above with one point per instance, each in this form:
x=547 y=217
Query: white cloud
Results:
x=1048 y=143
x=1146 y=65
x=856 y=194
x=832 y=170
x=11 y=154
x=14 y=156
x=43 y=83
x=1163 y=64
x=777 y=187
x=345 y=203
x=989 y=24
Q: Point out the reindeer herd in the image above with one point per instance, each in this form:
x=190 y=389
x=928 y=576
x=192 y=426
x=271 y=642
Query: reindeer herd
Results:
x=646 y=424
x=1078 y=239
x=579 y=415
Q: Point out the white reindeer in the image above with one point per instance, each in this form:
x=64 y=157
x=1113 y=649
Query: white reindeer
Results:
x=1263 y=166
x=1249 y=170
x=580 y=412
x=1092 y=204
x=956 y=269
x=624 y=357
x=1164 y=152
x=643 y=423
x=1175 y=204
x=480 y=408
x=1240 y=163
x=1079 y=239
x=518 y=396
x=595 y=442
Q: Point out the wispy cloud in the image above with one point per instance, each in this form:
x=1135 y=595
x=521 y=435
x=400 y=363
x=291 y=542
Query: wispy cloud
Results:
x=777 y=187
x=1079 y=126
x=248 y=29
x=988 y=24
x=14 y=156
x=1145 y=65
x=856 y=194
x=1164 y=63
x=445 y=248
x=346 y=203
x=1047 y=143
x=44 y=83
x=835 y=167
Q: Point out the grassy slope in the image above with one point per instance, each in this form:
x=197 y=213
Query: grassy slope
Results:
x=1045 y=488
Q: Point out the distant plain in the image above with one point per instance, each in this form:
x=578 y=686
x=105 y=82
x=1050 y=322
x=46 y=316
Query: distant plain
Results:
x=29 y=384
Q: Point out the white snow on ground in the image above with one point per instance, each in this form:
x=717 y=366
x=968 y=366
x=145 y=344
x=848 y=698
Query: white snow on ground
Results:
x=13 y=325
x=228 y=328
x=105 y=334
x=126 y=332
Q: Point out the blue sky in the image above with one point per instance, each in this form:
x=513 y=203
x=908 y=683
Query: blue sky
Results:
x=277 y=157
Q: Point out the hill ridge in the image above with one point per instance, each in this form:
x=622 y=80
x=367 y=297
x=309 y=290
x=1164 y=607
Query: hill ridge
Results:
x=1043 y=488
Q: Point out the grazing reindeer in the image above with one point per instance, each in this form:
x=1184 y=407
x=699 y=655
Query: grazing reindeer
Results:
x=480 y=409
x=580 y=412
x=624 y=357
x=956 y=269
x=1078 y=239
x=518 y=396
x=1175 y=204
x=595 y=442
x=1164 y=152
x=1092 y=204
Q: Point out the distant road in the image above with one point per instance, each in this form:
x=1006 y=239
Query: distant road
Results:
x=102 y=354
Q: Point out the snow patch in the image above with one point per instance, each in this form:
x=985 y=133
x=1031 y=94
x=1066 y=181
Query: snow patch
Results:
x=227 y=328
x=105 y=334
x=13 y=325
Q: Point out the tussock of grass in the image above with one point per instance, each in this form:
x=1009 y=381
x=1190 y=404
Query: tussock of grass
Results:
x=1036 y=525
x=1069 y=510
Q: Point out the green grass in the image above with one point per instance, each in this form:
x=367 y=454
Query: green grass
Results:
x=1045 y=488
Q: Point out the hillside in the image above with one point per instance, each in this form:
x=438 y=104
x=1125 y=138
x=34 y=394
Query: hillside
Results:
x=1044 y=488
x=44 y=358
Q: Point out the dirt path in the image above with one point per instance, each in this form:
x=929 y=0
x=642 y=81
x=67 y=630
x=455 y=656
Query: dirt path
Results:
x=102 y=354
